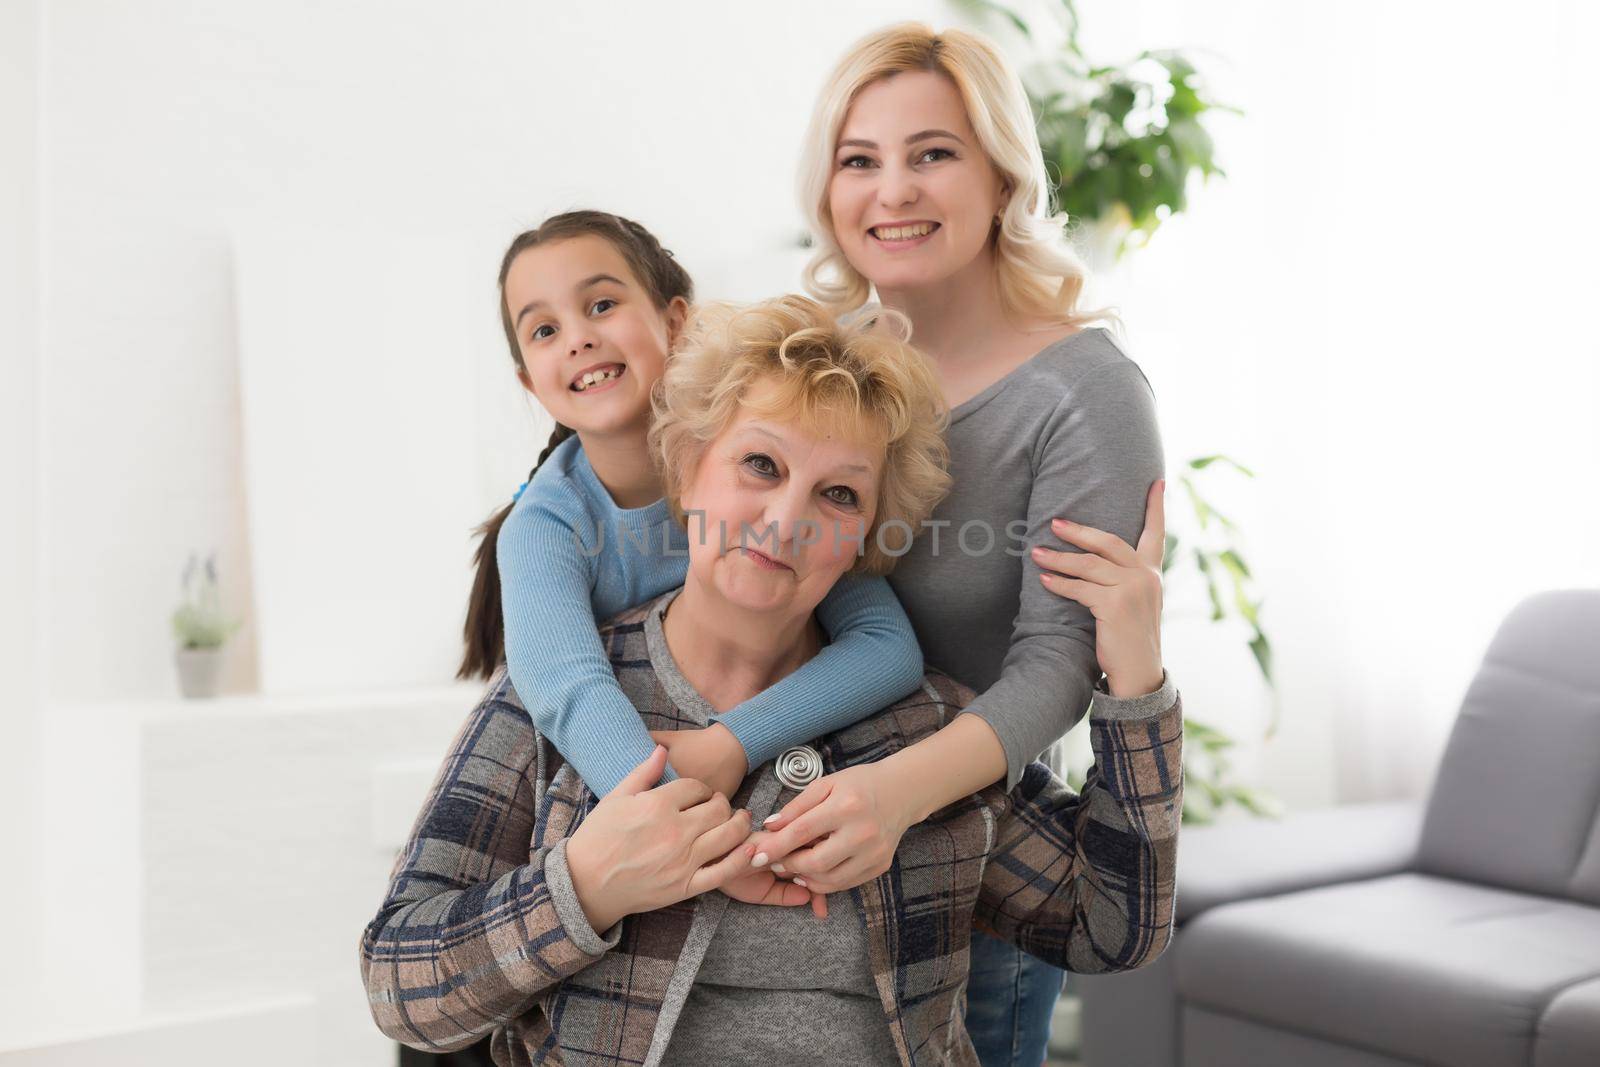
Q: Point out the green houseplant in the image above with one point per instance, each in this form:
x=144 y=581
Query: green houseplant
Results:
x=1122 y=141
x=1213 y=546
x=1206 y=543
x=201 y=628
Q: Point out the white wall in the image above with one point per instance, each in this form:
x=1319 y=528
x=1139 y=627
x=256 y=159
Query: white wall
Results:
x=175 y=128
x=209 y=179
x=1347 y=262
x=1333 y=256
x=1380 y=310
x=1386 y=311
x=19 y=483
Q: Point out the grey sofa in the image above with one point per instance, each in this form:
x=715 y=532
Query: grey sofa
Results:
x=1461 y=932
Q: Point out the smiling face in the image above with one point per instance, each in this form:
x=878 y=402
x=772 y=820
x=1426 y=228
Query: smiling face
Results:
x=592 y=342
x=913 y=196
x=784 y=508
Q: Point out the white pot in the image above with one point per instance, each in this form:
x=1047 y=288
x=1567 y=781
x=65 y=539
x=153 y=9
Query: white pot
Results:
x=199 y=672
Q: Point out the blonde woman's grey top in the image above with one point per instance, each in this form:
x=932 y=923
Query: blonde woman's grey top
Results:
x=1072 y=434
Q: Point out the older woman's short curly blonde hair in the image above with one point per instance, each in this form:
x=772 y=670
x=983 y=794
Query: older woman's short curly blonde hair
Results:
x=860 y=378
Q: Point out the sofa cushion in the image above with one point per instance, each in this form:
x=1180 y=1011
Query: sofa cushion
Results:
x=1569 y=1031
x=1516 y=797
x=1130 y=1016
x=1211 y=1039
x=1408 y=965
x=1250 y=858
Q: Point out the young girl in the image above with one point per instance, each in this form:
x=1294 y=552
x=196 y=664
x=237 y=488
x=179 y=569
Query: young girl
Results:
x=591 y=304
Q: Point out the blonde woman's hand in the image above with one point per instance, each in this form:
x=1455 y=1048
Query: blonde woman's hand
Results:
x=841 y=831
x=643 y=848
x=1121 y=586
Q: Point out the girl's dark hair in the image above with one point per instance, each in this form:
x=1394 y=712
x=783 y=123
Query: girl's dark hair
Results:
x=664 y=279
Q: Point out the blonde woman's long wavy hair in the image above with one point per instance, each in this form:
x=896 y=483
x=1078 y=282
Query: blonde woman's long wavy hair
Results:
x=857 y=377
x=1038 y=274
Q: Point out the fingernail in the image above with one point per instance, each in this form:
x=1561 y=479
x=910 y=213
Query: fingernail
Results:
x=772 y=818
x=760 y=860
x=801 y=882
x=777 y=868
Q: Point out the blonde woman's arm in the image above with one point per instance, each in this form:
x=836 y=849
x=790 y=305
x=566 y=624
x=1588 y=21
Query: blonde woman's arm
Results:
x=863 y=811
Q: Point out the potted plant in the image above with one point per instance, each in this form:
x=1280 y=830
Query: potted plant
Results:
x=1206 y=545
x=1120 y=141
x=1212 y=546
x=202 y=629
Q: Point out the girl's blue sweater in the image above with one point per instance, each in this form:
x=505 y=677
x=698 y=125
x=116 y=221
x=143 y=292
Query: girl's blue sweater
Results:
x=569 y=558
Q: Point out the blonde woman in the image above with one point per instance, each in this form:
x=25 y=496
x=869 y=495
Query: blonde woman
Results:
x=583 y=932
x=923 y=180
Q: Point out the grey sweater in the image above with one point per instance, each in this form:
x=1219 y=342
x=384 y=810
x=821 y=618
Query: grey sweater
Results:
x=1072 y=434
x=772 y=984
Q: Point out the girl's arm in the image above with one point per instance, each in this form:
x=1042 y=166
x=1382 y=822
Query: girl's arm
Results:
x=873 y=660
x=553 y=650
x=474 y=924
x=1086 y=881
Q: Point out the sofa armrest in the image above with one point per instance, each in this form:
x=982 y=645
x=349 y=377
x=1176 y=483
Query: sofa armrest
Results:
x=1241 y=860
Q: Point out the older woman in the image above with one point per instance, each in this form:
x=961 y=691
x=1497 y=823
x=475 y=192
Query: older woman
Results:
x=579 y=930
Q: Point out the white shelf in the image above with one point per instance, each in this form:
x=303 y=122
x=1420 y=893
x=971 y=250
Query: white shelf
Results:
x=461 y=695
x=223 y=853
x=171 y=1038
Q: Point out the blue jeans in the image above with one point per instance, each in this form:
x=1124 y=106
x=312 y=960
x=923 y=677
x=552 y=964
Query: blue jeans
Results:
x=1010 y=996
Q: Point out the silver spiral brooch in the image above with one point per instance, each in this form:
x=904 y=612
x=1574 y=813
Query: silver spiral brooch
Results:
x=799 y=766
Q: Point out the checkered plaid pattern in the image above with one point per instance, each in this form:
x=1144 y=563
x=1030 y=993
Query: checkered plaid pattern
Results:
x=468 y=941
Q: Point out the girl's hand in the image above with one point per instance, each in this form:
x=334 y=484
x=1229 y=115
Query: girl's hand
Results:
x=841 y=831
x=764 y=887
x=643 y=848
x=1122 y=587
x=713 y=755
x=716 y=757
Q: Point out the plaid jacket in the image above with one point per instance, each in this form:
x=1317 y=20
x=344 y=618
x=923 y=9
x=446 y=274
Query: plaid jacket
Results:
x=468 y=941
